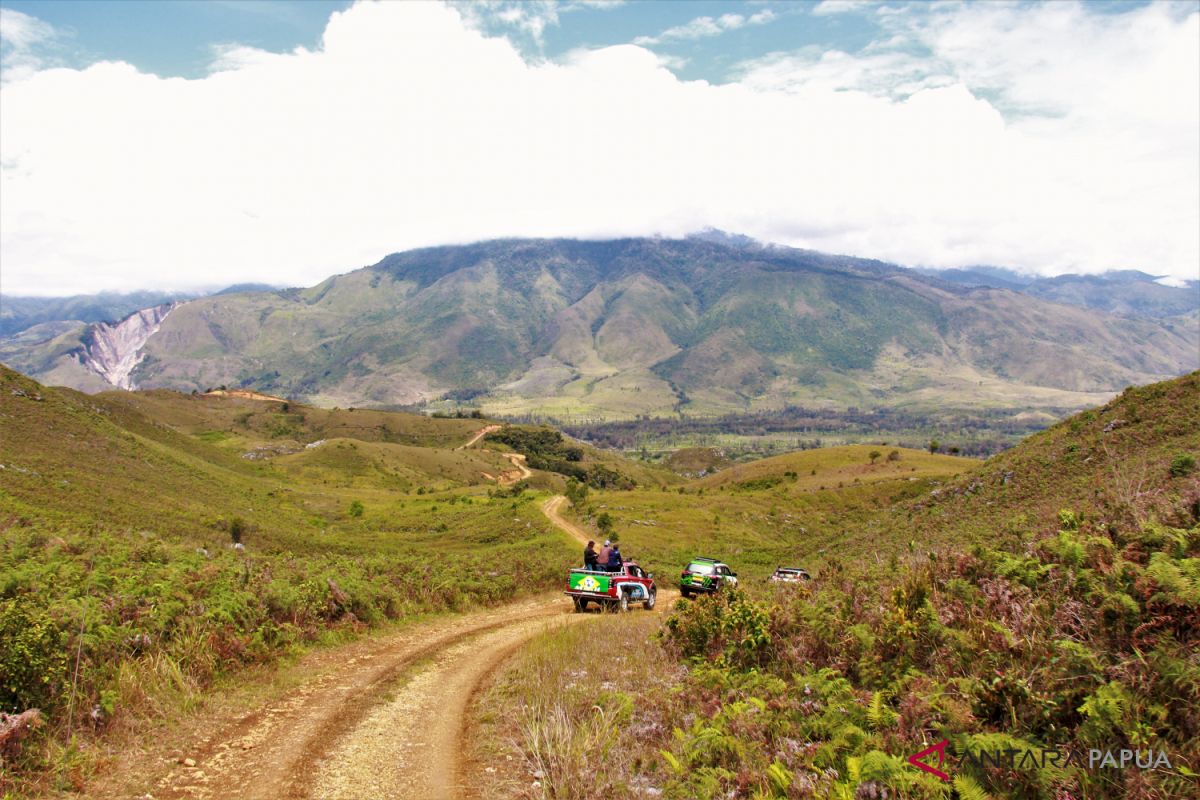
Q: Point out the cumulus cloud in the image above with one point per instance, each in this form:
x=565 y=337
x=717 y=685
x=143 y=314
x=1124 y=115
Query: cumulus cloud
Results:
x=22 y=41
x=408 y=127
x=827 y=7
x=703 y=27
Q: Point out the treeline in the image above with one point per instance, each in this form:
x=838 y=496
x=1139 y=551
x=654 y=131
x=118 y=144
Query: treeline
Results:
x=973 y=432
x=546 y=449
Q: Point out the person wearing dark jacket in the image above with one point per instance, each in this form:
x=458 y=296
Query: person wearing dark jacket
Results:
x=590 y=559
x=614 y=559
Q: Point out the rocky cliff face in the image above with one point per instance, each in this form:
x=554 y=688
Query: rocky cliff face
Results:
x=112 y=350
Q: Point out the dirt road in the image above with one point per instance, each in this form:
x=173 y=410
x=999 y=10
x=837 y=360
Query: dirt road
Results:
x=382 y=717
x=330 y=737
x=479 y=434
x=551 y=509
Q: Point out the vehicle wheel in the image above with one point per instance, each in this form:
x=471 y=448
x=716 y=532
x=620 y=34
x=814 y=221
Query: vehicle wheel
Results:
x=686 y=593
x=623 y=603
x=649 y=604
x=580 y=605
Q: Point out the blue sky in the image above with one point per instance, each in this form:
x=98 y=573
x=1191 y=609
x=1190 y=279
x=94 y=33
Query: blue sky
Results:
x=205 y=142
x=177 y=38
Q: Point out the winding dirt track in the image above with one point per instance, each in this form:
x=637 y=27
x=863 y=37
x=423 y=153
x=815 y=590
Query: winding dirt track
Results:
x=551 y=509
x=479 y=434
x=380 y=718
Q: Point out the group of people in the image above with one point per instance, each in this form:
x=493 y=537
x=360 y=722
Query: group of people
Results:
x=607 y=560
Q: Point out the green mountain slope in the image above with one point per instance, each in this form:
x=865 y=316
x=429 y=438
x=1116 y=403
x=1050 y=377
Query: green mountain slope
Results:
x=1044 y=602
x=644 y=326
x=1127 y=293
x=120 y=586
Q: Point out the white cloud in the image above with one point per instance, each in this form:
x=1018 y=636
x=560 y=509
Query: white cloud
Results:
x=827 y=7
x=22 y=38
x=703 y=27
x=408 y=127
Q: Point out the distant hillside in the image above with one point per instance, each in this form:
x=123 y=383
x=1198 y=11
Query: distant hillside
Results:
x=20 y=313
x=611 y=329
x=1116 y=465
x=1127 y=293
x=1045 y=601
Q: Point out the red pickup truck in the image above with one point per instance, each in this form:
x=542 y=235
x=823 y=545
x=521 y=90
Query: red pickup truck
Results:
x=612 y=590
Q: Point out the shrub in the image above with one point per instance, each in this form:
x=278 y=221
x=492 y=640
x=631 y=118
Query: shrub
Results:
x=356 y=508
x=1183 y=464
x=237 y=529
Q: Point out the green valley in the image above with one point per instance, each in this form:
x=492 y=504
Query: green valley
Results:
x=159 y=545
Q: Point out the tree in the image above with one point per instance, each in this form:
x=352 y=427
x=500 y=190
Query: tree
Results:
x=934 y=445
x=577 y=493
x=874 y=455
x=894 y=455
x=237 y=529
x=605 y=523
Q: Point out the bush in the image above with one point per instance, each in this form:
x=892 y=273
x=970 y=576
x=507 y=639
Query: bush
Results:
x=1183 y=464
x=356 y=508
x=237 y=529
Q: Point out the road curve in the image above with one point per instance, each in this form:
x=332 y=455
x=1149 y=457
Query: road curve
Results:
x=381 y=717
x=479 y=434
x=290 y=747
x=552 y=507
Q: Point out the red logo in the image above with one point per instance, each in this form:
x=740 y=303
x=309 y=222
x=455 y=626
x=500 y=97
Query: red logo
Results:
x=940 y=749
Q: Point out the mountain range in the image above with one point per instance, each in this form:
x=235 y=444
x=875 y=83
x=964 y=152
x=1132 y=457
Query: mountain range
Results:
x=606 y=329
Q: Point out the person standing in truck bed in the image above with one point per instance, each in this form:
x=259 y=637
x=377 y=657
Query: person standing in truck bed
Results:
x=614 y=559
x=590 y=559
x=605 y=552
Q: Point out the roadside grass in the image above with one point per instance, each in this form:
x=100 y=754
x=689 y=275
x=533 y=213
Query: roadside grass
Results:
x=1048 y=599
x=578 y=714
x=123 y=598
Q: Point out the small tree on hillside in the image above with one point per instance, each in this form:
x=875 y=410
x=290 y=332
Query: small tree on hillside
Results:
x=894 y=455
x=605 y=523
x=934 y=446
x=874 y=455
x=576 y=493
x=237 y=529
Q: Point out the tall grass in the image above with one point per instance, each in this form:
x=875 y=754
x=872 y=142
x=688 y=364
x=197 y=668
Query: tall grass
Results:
x=583 y=710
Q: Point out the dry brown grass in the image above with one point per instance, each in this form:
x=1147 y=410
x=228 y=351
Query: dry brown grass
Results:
x=580 y=715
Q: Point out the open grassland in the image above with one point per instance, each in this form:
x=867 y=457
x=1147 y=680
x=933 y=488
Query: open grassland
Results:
x=1048 y=597
x=578 y=714
x=1047 y=601
x=761 y=515
x=122 y=596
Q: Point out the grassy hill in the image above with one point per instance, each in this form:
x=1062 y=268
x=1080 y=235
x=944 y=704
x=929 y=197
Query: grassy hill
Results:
x=1047 y=597
x=122 y=595
x=790 y=509
x=1047 y=600
x=614 y=329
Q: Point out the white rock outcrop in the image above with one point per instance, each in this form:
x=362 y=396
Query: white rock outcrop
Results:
x=113 y=349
